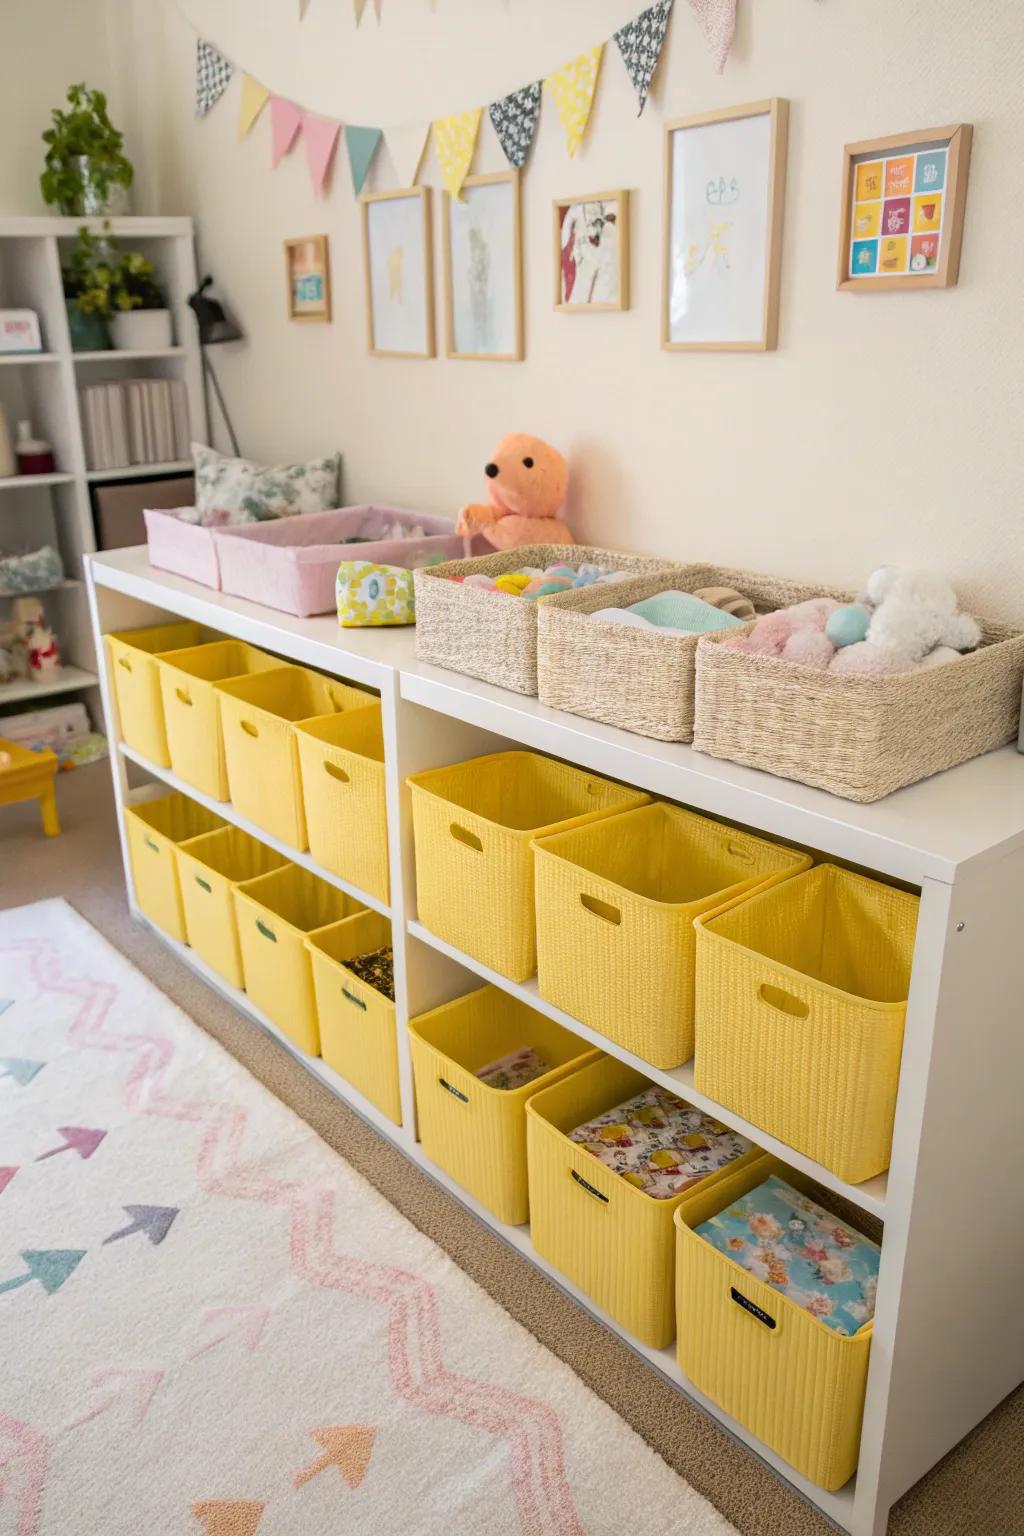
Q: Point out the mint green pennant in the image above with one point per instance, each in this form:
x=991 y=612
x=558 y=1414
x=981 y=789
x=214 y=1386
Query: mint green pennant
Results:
x=361 y=144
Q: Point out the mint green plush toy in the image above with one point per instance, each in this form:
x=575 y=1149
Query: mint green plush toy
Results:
x=847 y=625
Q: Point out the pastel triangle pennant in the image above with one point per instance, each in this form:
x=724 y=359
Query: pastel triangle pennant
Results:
x=454 y=144
x=640 y=43
x=212 y=75
x=361 y=144
x=285 y=122
x=254 y=99
x=718 y=18
x=360 y=7
x=573 y=88
x=378 y=6
x=303 y=8
x=405 y=146
x=514 y=120
x=320 y=135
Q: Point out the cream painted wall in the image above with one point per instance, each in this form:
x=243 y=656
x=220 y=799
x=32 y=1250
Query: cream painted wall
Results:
x=885 y=427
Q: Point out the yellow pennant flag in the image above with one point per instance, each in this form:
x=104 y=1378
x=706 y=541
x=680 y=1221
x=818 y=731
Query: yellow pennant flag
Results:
x=454 y=144
x=254 y=99
x=573 y=88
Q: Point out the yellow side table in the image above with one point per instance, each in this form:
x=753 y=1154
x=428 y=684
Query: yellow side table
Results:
x=26 y=775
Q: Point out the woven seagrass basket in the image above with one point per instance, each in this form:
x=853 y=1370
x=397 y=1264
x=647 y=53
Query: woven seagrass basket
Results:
x=491 y=636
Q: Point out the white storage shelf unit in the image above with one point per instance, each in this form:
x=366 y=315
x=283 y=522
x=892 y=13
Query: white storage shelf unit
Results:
x=43 y=387
x=946 y=1347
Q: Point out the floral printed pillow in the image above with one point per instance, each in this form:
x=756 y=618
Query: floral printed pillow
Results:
x=237 y=491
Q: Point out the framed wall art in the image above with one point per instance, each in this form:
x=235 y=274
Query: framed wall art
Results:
x=725 y=182
x=483 y=270
x=902 y=215
x=592 y=253
x=399 y=273
x=308 y=270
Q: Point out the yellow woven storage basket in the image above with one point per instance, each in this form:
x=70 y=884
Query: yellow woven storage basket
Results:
x=260 y=749
x=800 y=1001
x=473 y=1131
x=616 y=902
x=208 y=869
x=473 y=824
x=191 y=711
x=275 y=912
x=357 y=1023
x=136 y=682
x=153 y=829
x=608 y=1237
x=798 y=1385
x=341 y=760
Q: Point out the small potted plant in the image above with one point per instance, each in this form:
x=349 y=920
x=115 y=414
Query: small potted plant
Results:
x=140 y=319
x=114 y=297
x=87 y=275
x=86 y=170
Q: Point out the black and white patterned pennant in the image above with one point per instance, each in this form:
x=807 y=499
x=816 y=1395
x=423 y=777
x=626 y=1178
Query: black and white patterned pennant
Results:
x=640 y=43
x=515 y=122
x=212 y=75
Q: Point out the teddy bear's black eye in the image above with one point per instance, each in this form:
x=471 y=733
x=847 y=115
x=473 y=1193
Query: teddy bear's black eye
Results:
x=528 y=463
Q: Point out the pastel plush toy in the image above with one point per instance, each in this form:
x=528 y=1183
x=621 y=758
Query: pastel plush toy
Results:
x=914 y=614
x=526 y=485
x=796 y=634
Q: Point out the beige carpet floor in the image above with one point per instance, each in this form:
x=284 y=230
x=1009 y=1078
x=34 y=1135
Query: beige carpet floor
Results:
x=978 y=1490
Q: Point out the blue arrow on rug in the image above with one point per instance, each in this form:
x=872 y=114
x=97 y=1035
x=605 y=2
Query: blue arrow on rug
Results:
x=19 y=1069
x=50 y=1266
x=154 y=1220
x=5 y=1003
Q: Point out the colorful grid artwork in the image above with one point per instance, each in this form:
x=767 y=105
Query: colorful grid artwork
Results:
x=897 y=213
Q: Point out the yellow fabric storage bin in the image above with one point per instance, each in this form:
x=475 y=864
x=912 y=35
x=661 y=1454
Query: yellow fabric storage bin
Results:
x=357 y=1023
x=616 y=902
x=191 y=710
x=260 y=748
x=136 y=682
x=473 y=1131
x=341 y=760
x=275 y=912
x=208 y=869
x=800 y=1002
x=154 y=828
x=798 y=1385
x=474 y=823
x=611 y=1239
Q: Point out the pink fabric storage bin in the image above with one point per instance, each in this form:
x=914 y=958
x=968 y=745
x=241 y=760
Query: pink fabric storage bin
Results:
x=185 y=549
x=291 y=563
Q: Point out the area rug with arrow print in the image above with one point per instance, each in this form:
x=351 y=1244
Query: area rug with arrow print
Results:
x=210 y=1323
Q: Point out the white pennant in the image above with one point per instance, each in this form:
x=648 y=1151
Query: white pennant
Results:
x=405 y=145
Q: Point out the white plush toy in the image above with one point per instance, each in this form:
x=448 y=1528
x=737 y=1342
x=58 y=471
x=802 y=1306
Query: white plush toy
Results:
x=914 y=621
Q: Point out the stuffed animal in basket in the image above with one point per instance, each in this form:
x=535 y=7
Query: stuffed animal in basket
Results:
x=913 y=620
x=526 y=485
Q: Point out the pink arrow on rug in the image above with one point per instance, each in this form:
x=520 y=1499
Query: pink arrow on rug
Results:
x=246 y=1321
x=77 y=1138
x=26 y=1445
x=6 y=1175
x=134 y=1385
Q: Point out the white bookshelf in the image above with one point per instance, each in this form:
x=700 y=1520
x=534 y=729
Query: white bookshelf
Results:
x=44 y=386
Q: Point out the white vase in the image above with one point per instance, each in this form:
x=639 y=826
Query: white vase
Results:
x=142 y=330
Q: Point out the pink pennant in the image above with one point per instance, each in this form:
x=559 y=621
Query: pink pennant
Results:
x=321 y=136
x=285 y=122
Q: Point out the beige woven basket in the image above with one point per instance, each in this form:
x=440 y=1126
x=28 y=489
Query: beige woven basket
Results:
x=859 y=737
x=639 y=679
x=491 y=637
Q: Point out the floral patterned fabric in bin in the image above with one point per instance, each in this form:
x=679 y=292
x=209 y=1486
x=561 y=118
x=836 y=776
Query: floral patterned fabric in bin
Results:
x=797 y=1247
x=659 y=1144
x=232 y=491
x=513 y=1070
x=370 y=595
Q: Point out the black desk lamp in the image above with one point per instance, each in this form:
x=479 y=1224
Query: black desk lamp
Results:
x=214 y=328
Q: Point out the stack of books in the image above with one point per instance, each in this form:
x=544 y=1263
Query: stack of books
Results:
x=135 y=421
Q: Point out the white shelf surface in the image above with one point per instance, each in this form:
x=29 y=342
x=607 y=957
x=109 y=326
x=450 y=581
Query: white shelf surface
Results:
x=125 y=354
x=838 y=1506
x=136 y=471
x=23 y=359
x=27 y=482
x=226 y=810
x=70 y=679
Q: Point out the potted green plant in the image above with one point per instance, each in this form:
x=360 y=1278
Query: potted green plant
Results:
x=114 y=297
x=87 y=276
x=86 y=170
x=140 y=320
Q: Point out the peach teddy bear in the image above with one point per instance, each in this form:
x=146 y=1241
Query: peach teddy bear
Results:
x=526 y=485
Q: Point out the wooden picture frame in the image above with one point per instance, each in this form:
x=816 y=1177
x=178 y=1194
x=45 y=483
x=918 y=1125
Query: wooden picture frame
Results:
x=411 y=207
x=595 y=205
x=916 y=227
x=747 y=318
x=307 y=268
x=479 y=318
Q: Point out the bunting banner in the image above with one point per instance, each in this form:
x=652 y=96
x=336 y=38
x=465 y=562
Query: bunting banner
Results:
x=303 y=8
x=285 y=122
x=212 y=75
x=405 y=145
x=718 y=18
x=361 y=144
x=640 y=44
x=360 y=7
x=573 y=88
x=378 y=6
x=320 y=137
x=254 y=99
x=454 y=144
x=514 y=119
